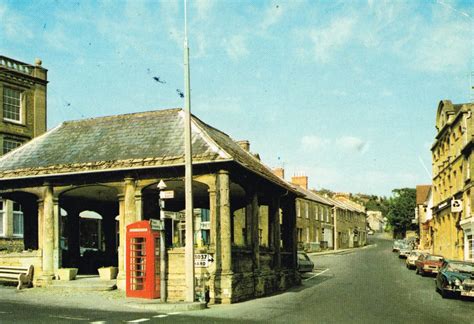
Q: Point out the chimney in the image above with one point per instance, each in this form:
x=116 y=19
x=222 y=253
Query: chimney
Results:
x=279 y=172
x=300 y=180
x=244 y=144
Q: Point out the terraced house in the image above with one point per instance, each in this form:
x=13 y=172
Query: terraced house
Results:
x=23 y=117
x=350 y=222
x=453 y=195
x=112 y=165
x=314 y=220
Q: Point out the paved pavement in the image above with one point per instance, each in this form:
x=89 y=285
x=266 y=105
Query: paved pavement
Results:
x=369 y=285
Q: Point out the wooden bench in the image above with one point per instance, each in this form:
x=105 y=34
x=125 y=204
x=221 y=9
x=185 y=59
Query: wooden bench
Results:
x=24 y=275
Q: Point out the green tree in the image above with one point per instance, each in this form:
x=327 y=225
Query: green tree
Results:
x=401 y=210
x=378 y=204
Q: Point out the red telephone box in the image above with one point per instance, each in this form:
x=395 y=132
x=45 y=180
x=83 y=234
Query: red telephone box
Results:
x=142 y=261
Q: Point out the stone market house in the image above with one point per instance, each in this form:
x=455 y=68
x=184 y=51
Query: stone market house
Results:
x=111 y=166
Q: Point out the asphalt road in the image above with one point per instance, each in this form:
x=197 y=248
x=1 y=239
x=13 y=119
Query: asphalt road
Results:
x=370 y=285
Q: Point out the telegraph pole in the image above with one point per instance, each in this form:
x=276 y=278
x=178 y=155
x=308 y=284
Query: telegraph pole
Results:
x=188 y=182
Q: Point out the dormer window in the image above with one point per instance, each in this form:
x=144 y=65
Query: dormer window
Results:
x=12 y=105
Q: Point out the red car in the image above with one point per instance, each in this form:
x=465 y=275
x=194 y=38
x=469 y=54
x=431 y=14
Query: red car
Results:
x=428 y=264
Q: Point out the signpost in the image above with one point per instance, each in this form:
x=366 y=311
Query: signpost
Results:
x=202 y=260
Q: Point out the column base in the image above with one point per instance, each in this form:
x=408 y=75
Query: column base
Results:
x=44 y=280
x=121 y=281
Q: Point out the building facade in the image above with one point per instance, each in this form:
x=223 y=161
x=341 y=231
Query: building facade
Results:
x=375 y=221
x=314 y=219
x=23 y=116
x=453 y=222
x=423 y=215
x=350 y=223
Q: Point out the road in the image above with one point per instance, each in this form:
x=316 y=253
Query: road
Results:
x=369 y=285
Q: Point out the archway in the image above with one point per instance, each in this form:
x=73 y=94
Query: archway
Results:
x=89 y=228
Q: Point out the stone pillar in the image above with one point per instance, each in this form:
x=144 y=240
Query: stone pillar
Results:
x=138 y=205
x=222 y=290
x=289 y=230
x=128 y=215
x=121 y=248
x=40 y=223
x=255 y=243
x=274 y=231
x=213 y=217
x=57 y=257
x=225 y=222
x=48 y=235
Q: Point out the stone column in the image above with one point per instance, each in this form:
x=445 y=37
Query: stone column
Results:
x=255 y=242
x=289 y=233
x=128 y=215
x=225 y=222
x=48 y=234
x=138 y=205
x=223 y=290
x=274 y=231
x=40 y=223
x=121 y=248
x=213 y=217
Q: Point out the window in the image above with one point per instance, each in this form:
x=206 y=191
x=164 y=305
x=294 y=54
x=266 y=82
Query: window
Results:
x=17 y=220
x=1 y=217
x=470 y=247
x=12 y=104
x=10 y=144
x=298 y=211
x=306 y=209
x=315 y=210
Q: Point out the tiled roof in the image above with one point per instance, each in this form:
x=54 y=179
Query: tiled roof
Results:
x=138 y=140
x=309 y=195
x=422 y=192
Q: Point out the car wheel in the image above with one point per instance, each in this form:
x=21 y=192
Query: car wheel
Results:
x=422 y=273
x=417 y=271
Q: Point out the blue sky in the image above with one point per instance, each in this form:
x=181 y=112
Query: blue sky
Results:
x=345 y=92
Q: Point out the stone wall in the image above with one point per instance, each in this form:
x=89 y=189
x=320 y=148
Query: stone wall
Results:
x=11 y=245
x=25 y=258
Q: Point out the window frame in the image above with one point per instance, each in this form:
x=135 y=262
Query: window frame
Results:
x=21 y=99
x=18 y=213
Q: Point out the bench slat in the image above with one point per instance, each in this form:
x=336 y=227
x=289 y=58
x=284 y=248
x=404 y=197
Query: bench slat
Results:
x=9 y=275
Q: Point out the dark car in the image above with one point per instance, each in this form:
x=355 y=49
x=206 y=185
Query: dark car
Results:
x=428 y=264
x=455 y=278
x=304 y=262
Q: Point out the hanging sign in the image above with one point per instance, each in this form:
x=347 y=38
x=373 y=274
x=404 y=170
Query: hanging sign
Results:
x=456 y=205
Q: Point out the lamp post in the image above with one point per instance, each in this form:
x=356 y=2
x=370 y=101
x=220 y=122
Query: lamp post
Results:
x=188 y=183
x=161 y=202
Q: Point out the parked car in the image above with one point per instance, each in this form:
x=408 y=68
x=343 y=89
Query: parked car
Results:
x=396 y=245
x=304 y=262
x=428 y=264
x=405 y=250
x=412 y=257
x=455 y=278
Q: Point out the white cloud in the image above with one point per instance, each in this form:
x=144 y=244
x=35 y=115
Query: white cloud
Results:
x=236 y=47
x=329 y=40
x=352 y=144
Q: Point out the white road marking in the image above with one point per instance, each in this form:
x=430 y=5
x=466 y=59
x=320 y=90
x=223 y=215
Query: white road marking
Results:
x=174 y=313
x=160 y=316
x=139 y=320
x=98 y=322
x=70 y=318
x=318 y=274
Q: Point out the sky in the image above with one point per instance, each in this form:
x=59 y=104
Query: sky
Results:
x=344 y=92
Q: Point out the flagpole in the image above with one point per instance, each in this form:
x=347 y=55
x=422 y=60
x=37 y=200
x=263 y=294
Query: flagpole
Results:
x=188 y=164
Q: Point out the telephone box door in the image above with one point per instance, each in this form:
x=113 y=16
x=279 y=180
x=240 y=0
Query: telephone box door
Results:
x=142 y=261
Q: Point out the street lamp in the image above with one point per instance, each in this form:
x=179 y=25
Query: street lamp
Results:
x=161 y=186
